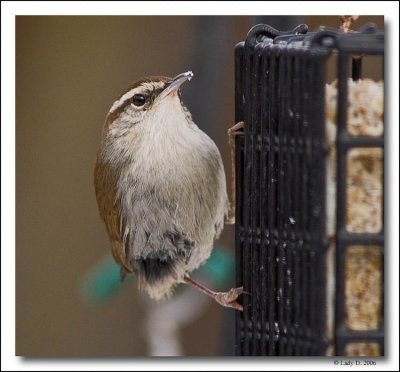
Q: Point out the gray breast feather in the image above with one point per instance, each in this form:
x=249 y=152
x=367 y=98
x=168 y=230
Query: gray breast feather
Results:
x=169 y=212
x=153 y=243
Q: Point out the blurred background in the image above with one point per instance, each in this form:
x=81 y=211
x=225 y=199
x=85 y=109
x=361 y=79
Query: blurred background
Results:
x=69 y=71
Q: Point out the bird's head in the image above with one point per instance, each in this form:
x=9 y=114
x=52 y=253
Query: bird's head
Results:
x=146 y=99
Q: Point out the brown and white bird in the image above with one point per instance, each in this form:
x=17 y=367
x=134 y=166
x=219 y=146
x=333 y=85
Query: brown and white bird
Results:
x=160 y=187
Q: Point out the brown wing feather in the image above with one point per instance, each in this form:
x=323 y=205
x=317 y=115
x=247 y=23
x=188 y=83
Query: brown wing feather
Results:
x=105 y=181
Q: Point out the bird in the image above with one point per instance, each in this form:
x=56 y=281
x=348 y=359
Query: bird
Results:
x=160 y=188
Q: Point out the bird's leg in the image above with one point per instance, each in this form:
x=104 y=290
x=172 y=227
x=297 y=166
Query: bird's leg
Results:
x=232 y=133
x=227 y=299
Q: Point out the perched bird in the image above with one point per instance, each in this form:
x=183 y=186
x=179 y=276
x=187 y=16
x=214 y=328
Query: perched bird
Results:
x=160 y=188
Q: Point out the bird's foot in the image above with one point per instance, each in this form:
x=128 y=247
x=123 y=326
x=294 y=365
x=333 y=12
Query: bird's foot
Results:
x=228 y=299
x=236 y=129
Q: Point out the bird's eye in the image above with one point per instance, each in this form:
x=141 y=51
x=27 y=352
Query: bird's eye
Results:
x=138 y=99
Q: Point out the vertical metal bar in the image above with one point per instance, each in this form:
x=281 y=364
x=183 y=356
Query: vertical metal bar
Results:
x=239 y=167
x=288 y=215
x=239 y=82
x=341 y=174
x=256 y=294
x=356 y=68
x=239 y=116
x=319 y=241
x=282 y=224
x=298 y=194
x=382 y=234
x=248 y=59
x=264 y=149
x=304 y=239
x=312 y=294
x=271 y=203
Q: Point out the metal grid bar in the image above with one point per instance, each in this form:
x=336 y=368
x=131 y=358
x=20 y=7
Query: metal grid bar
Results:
x=239 y=156
x=280 y=215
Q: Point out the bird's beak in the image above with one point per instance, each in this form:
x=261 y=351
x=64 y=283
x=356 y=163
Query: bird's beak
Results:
x=175 y=84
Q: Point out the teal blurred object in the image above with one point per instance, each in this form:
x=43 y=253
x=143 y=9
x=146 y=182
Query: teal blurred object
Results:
x=103 y=280
x=220 y=266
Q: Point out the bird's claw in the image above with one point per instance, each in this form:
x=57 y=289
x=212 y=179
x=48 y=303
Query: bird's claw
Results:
x=228 y=299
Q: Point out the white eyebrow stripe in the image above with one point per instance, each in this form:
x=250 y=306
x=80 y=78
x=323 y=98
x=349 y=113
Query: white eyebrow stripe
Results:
x=129 y=94
x=125 y=97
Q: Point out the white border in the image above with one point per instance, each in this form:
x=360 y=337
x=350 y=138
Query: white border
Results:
x=197 y=7
x=390 y=9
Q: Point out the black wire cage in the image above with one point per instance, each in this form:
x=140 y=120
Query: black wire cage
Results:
x=291 y=249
